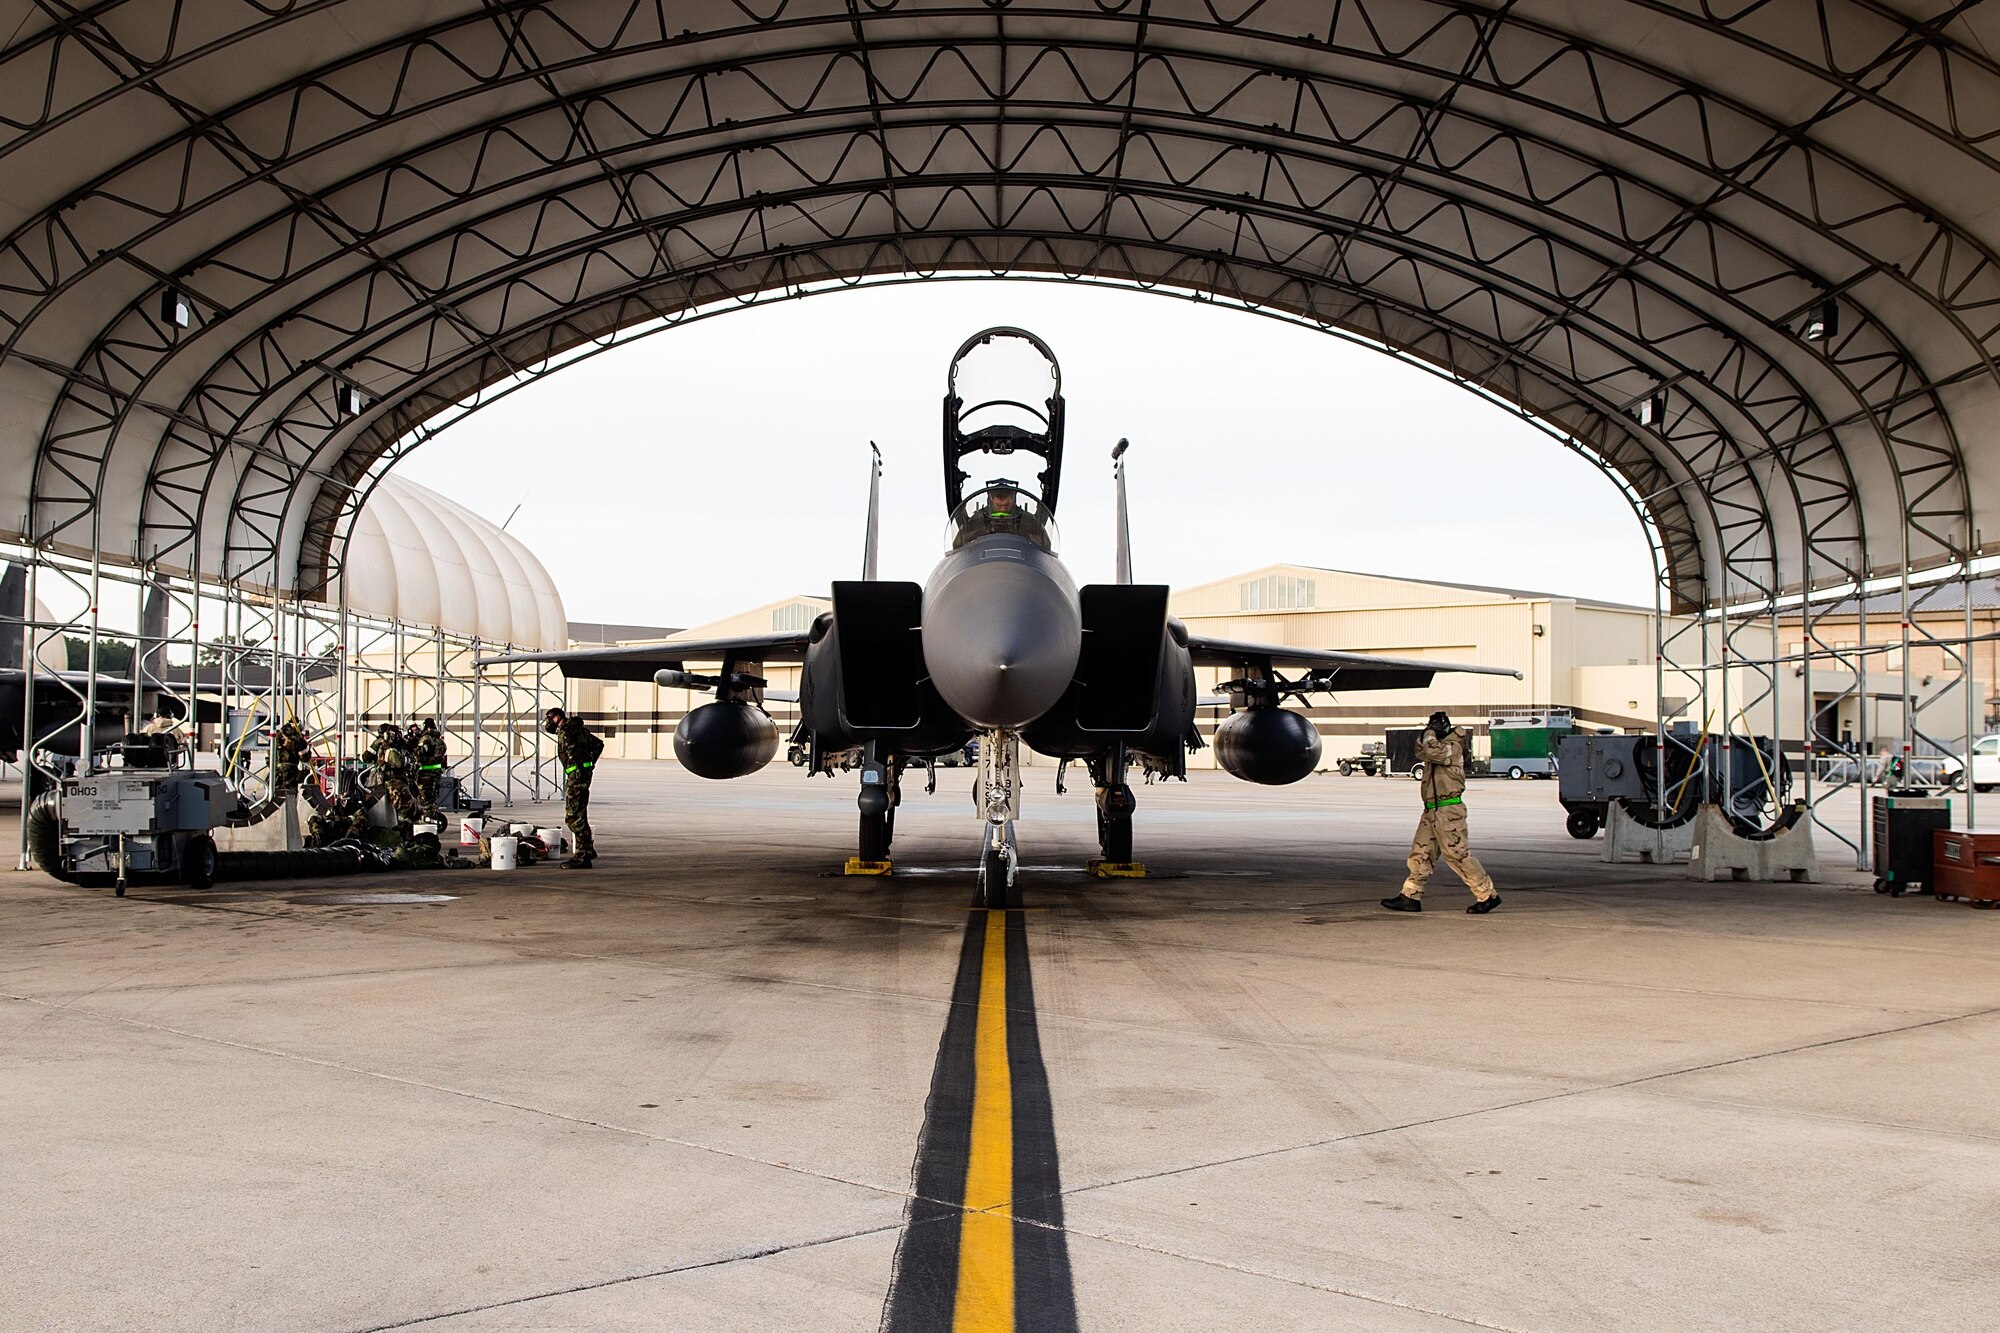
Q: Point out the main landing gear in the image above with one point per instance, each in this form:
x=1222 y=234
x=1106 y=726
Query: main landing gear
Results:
x=881 y=793
x=1115 y=805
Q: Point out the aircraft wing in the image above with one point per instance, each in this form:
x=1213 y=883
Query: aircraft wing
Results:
x=1338 y=670
x=641 y=661
x=248 y=678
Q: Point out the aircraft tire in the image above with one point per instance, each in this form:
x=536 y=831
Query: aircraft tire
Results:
x=1114 y=840
x=994 y=891
x=875 y=837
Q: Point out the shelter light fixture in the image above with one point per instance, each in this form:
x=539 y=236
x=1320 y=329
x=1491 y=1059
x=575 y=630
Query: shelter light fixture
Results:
x=351 y=400
x=176 y=310
x=1823 y=322
x=1650 y=411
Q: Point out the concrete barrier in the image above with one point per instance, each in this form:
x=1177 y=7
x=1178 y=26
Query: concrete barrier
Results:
x=1627 y=840
x=1721 y=853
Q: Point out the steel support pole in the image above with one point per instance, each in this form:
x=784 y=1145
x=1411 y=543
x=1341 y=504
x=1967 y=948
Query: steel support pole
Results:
x=1659 y=715
x=86 y=738
x=1777 y=768
x=539 y=710
x=478 y=719
x=1864 y=742
x=1907 y=741
x=1728 y=723
x=28 y=662
x=1968 y=685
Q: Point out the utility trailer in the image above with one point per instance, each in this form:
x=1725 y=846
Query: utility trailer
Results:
x=1524 y=741
x=1401 y=748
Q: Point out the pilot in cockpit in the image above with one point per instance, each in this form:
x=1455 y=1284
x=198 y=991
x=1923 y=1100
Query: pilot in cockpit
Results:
x=1002 y=507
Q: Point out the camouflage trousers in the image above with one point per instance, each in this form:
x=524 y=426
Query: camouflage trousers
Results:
x=576 y=810
x=285 y=780
x=326 y=829
x=1441 y=836
x=402 y=797
x=428 y=783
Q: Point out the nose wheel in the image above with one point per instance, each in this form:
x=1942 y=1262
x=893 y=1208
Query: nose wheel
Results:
x=997 y=864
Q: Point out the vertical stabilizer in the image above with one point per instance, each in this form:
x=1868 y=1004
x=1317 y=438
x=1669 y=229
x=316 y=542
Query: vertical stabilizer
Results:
x=874 y=537
x=1124 y=518
x=13 y=611
x=153 y=627
x=149 y=654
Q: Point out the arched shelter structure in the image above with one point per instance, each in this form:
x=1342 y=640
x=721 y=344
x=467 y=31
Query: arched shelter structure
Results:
x=1742 y=255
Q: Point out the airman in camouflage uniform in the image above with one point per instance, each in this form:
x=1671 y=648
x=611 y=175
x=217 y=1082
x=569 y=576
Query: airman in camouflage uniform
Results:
x=346 y=816
x=290 y=755
x=1441 y=832
x=577 y=750
x=396 y=766
x=430 y=768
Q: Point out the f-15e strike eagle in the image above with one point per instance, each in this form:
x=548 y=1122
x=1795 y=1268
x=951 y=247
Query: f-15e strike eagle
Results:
x=1002 y=646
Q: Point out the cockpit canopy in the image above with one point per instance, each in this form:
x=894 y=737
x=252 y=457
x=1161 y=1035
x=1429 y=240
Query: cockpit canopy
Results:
x=994 y=405
x=1002 y=507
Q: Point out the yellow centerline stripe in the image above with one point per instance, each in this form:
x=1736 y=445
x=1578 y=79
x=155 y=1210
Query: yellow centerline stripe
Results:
x=985 y=1302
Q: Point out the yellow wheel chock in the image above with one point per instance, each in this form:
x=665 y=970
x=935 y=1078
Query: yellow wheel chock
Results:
x=1115 y=869
x=857 y=866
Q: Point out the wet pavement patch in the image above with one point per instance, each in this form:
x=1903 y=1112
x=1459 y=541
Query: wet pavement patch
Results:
x=366 y=899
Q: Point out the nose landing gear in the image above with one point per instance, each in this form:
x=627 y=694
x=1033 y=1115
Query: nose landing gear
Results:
x=1000 y=803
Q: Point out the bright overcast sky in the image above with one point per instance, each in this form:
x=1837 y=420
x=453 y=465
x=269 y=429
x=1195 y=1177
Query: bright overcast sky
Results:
x=722 y=465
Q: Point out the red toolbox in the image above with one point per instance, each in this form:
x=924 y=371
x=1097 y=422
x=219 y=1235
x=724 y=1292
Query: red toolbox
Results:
x=1966 y=865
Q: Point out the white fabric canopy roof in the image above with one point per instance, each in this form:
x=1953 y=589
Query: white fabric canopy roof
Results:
x=1592 y=211
x=418 y=557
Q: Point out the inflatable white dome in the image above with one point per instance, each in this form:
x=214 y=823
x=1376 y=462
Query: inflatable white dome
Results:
x=421 y=558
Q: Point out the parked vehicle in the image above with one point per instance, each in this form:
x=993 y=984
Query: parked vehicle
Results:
x=1373 y=759
x=1985 y=765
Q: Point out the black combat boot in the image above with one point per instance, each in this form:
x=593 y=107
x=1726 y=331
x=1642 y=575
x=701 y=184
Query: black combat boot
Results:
x=579 y=862
x=1484 y=905
x=1403 y=903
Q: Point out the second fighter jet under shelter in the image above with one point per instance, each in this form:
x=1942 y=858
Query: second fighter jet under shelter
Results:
x=1001 y=646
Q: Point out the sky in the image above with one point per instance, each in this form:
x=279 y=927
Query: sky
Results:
x=721 y=465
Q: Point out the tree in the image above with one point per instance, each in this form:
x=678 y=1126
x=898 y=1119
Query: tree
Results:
x=114 y=656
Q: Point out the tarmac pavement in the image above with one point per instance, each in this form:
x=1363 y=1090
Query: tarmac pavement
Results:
x=697 y=1086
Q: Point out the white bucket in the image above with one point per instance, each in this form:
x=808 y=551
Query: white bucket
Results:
x=555 y=839
x=506 y=848
x=418 y=830
x=468 y=831
x=521 y=830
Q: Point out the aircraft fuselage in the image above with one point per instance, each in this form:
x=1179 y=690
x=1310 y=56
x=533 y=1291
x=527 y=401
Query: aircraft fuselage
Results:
x=1002 y=631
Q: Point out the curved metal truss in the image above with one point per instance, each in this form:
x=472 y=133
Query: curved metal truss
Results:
x=1742 y=255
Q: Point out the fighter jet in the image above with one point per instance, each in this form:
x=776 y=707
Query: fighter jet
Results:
x=1000 y=646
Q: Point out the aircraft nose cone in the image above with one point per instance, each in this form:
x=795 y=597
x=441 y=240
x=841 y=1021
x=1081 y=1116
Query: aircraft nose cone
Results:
x=1001 y=640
